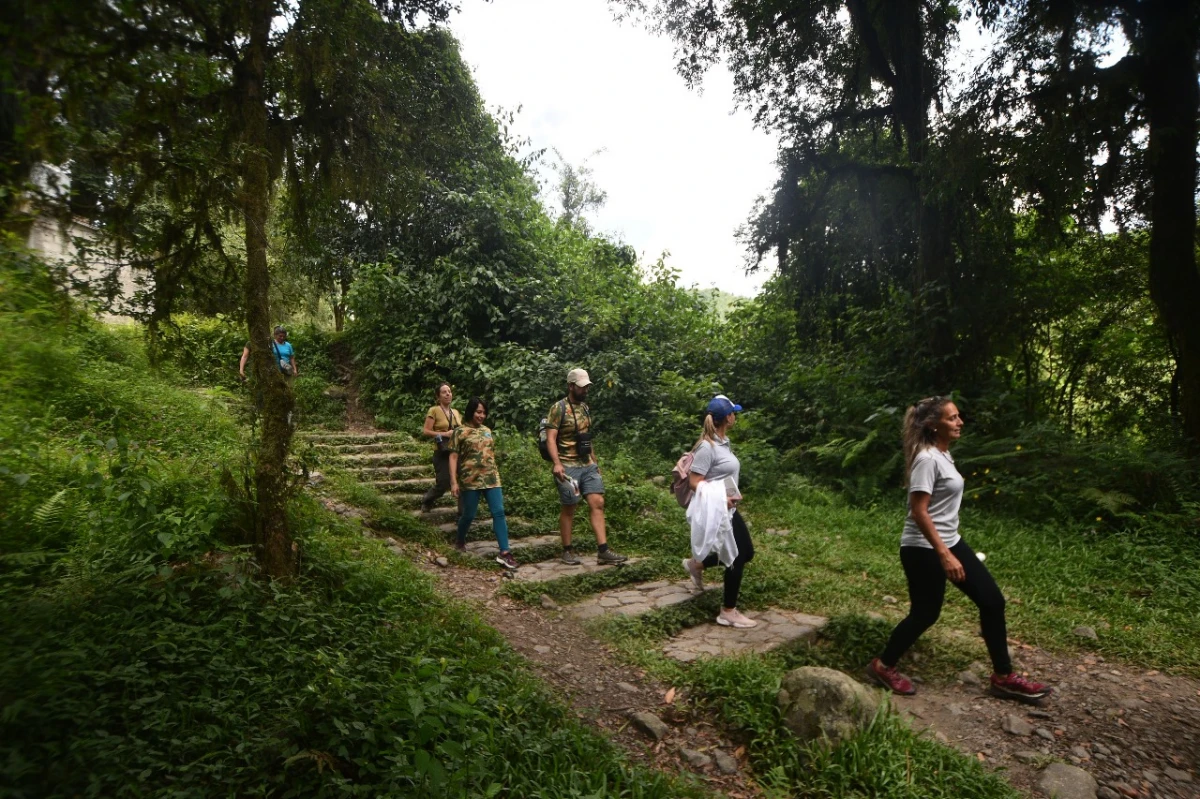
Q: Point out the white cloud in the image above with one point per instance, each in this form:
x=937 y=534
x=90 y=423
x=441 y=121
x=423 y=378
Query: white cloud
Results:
x=680 y=169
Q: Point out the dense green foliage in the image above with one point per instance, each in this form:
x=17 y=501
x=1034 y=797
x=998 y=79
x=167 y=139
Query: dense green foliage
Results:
x=144 y=655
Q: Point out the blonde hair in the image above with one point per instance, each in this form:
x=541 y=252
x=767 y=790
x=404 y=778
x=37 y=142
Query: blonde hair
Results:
x=918 y=433
x=709 y=432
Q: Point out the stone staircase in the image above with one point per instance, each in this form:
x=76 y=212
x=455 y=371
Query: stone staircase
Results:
x=400 y=469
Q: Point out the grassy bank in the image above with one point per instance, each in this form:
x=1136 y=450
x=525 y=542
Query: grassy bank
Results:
x=145 y=657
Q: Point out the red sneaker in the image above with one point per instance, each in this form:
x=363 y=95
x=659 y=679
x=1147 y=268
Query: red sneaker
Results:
x=890 y=678
x=1014 y=686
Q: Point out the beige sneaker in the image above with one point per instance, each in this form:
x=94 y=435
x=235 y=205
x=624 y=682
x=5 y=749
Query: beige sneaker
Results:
x=695 y=570
x=734 y=618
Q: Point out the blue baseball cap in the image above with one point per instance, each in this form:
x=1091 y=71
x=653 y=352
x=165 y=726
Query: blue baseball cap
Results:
x=721 y=406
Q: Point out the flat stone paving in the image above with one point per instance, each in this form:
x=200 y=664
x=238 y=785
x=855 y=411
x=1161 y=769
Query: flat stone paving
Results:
x=635 y=600
x=775 y=627
x=489 y=549
x=553 y=569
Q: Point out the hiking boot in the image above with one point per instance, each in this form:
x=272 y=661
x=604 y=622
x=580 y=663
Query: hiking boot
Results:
x=609 y=558
x=695 y=570
x=732 y=617
x=1014 y=686
x=570 y=558
x=890 y=678
x=506 y=560
x=460 y=547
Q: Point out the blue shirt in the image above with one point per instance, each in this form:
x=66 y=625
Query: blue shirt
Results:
x=283 y=352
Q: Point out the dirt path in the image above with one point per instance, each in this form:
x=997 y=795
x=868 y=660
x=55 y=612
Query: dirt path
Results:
x=1136 y=732
x=602 y=689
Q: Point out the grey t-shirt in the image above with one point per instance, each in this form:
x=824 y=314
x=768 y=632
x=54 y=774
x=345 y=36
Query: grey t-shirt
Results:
x=933 y=473
x=716 y=461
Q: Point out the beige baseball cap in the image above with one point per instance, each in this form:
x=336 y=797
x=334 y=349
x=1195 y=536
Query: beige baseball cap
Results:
x=578 y=377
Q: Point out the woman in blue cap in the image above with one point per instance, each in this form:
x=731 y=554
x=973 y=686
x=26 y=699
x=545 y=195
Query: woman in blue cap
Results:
x=714 y=462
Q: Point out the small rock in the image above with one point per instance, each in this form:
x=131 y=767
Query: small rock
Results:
x=726 y=763
x=1015 y=725
x=889 y=600
x=542 y=649
x=651 y=724
x=1107 y=793
x=695 y=759
x=1066 y=782
x=691 y=732
x=1042 y=732
x=1131 y=703
x=315 y=478
x=1080 y=752
x=441 y=561
x=940 y=737
x=957 y=709
x=824 y=704
x=979 y=668
x=1040 y=714
x=567 y=669
x=1027 y=756
x=1098 y=757
x=1178 y=775
x=1084 y=631
x=548 y=602
x=658 y=480
x=1150 y=775
x=968 y=678
x=1125 y=789
x=628 y=688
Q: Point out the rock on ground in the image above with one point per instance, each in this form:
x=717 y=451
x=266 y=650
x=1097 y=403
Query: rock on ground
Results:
x=819 y=703
x=1067 y=782
x=652 y=724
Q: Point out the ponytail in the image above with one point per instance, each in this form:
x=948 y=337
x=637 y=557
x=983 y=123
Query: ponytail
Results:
x=709 y=433
x=918 y=433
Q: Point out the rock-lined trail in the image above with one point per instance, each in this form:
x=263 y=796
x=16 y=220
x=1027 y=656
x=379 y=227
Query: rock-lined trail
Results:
x=1115 y=732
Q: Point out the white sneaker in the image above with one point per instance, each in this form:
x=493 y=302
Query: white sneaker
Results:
x=695 y=570
x=734 y=618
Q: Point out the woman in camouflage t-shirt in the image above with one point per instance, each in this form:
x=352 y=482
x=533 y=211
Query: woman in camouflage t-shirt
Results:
x=473 y=473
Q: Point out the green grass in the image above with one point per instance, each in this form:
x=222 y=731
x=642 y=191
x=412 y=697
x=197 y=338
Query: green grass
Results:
x=145 y=657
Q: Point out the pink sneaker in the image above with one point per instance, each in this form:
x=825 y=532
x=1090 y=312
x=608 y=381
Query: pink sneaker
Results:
x=1014 y=686
x=696 y=572
x=890 y=678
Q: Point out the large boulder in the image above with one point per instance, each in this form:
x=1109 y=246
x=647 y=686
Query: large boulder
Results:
x=825 y=704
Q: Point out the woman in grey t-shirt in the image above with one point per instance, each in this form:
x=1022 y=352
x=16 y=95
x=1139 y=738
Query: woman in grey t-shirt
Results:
x=931 y=550
x=714 y=461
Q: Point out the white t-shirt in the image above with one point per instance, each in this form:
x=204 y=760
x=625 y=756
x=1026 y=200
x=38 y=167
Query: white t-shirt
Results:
x=933 y=473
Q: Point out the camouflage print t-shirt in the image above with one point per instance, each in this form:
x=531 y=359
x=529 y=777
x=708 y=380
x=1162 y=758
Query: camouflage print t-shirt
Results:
x=476 y=457
x=569 y=420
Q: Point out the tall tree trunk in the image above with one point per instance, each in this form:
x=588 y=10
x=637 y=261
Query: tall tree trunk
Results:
x=273 y=539
x=1169 y=82
x=905 y=30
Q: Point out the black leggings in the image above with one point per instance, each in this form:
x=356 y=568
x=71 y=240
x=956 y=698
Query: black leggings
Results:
x=927 y=590
x=733 y=573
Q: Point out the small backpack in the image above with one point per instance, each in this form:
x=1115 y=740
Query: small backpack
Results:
x=544 y=428
x=681 y=484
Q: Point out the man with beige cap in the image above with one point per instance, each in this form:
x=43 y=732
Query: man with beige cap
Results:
x=576 y=473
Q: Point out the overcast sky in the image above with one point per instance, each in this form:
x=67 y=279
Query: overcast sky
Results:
x=681 y=169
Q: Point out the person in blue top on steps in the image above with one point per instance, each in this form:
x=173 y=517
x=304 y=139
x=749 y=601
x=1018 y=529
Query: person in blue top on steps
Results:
x=932 y=551
x=282 y=351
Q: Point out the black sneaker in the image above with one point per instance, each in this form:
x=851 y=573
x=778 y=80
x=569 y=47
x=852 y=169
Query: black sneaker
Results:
x=570 y=558
x=608 y=558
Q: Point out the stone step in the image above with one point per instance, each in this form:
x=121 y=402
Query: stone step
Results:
x=775 y=628
x=332 y=437
x=440 y=514
x=634 y=600
x=368 y=448
x=489 y=549
x=365 y=473
x=384 y=459
x=411 y=485
x=548 y=570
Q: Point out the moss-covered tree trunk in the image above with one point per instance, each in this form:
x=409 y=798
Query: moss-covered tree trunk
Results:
x=1172 y=102
x=273 y=540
